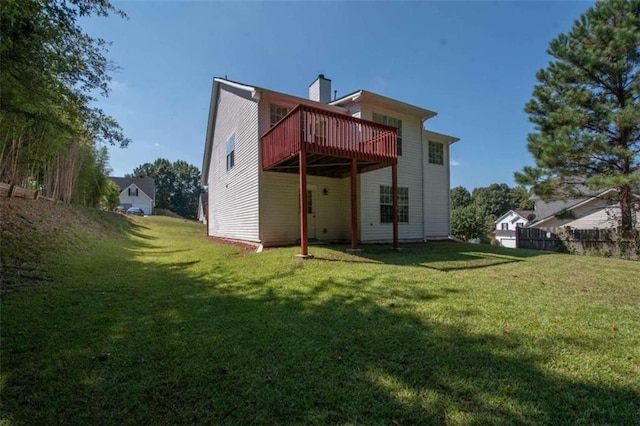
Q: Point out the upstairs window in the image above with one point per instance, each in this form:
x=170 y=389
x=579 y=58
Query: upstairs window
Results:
x=133 y=192
x=386 y=204
x=505 y=226
x=393 y=122
x=436 y=153
x=231 y=148
x=277 y=113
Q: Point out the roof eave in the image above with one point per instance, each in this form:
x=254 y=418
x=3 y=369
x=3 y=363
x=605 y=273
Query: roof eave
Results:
x=213 y=106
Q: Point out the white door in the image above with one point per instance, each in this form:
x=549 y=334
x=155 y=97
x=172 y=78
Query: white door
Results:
x=311 y=212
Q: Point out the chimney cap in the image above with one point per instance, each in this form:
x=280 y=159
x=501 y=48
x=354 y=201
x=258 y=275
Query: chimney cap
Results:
x=320 y=77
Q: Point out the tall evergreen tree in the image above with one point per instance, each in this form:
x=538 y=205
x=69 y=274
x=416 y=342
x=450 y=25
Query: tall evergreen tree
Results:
x=586 y=109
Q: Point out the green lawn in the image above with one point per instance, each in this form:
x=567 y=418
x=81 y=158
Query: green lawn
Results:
x=165 y=327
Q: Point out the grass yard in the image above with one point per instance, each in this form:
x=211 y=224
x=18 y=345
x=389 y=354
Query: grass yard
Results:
x=164 y=327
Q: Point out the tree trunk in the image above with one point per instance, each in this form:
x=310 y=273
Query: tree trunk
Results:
x=626 y=208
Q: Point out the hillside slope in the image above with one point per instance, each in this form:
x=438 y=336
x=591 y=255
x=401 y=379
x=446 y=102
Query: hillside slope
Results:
x=32 y=231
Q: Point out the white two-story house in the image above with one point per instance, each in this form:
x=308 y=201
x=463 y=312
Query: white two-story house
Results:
x=508 y=223
x=137 y=192
x=343 y=160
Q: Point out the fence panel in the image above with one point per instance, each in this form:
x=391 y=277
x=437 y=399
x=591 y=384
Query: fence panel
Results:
x=536 y=239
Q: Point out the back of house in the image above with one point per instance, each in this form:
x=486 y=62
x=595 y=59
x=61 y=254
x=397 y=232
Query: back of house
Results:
x=254 y=168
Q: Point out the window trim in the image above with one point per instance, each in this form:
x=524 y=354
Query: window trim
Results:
x=403 y=204
x=433 y=152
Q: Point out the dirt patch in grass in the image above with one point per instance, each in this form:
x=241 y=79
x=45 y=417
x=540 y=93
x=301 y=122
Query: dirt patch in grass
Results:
x=32 y=230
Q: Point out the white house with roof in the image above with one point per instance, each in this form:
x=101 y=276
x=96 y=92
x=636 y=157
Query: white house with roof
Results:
x=137 y=192
x=268 y=153
x=506 y=225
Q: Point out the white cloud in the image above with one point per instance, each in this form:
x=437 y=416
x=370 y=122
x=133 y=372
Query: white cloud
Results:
x=454 y=163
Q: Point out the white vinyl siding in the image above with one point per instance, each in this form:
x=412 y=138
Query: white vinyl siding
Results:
x=436 y=194
x=409 y=176
x=233 y=202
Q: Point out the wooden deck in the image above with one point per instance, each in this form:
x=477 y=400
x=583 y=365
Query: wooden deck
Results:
x=330 y=142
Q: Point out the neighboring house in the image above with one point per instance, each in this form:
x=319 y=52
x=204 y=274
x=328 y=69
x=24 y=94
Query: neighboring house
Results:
x=596 y=210
x=137 y=192
x=268 y=153
x=506 y=225
x=203 y=202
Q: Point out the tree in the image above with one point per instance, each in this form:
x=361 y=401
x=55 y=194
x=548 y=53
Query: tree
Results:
x=177 y=185
x=468 y=222
x=519 y=198
x=586 y=109
x=493 y=200
x=460 y=197
x=51 y=73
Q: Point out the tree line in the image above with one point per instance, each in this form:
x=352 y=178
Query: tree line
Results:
x=473 y=214
x=52 y=137
x=178 y=185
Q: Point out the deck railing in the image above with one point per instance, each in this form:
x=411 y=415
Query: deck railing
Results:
x=328 y=133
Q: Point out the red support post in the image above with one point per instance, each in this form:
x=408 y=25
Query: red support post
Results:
x=304 y=247
x=394 y=183
x=354 y=204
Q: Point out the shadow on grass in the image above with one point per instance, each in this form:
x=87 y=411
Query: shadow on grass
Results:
x=227 y=347
x=441 y=256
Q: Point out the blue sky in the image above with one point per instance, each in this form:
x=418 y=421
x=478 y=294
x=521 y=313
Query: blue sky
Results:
x=472 y=62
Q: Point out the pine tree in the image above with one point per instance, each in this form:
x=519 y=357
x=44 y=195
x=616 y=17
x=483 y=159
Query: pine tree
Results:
x=586 y=109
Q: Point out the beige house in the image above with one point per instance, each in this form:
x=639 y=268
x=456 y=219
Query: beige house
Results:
x=268 y=153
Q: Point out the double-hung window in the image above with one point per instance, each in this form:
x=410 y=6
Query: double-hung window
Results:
x=231 y=149
x=436 y=153
x=276 y=113
x=133 y=192
x=393 y=122
x=386 y=204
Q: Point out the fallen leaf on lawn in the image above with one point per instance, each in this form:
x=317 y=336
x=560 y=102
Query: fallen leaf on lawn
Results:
x=506 y=331
x=614 y=327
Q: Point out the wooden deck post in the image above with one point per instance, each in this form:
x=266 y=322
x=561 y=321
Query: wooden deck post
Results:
x=304 y=246
x=354 y=204
x=394 y=185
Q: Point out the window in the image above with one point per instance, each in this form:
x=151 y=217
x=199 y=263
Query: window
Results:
x=393 y=122
x=386 y=204
x=436 y=153
x=133 y=192
x=231 y=149
x=277 y=113
x=519 y=225
x=505 y=227
x=320 y=131
x=310 y=202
